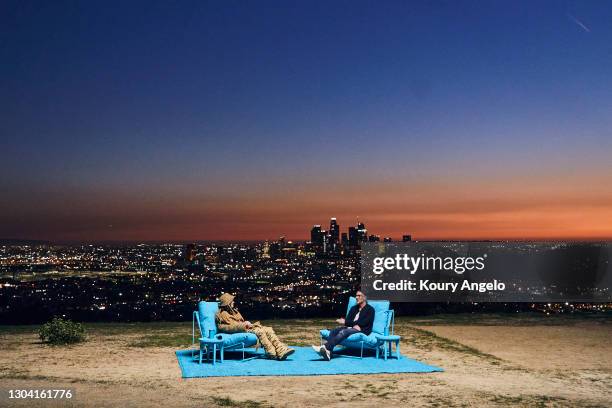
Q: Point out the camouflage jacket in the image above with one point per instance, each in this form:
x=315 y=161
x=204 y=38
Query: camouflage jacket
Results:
x=230 y=321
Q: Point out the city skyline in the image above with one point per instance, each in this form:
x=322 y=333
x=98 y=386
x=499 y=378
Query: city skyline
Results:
x=318 y=234
x=150 y=121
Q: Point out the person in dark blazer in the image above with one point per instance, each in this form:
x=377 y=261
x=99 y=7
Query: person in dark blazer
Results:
x=360 y=318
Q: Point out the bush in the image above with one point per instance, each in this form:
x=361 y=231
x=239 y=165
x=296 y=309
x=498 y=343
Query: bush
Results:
x=59 y=331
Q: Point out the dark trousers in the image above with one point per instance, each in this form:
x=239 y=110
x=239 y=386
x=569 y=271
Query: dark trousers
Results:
x=337 y=335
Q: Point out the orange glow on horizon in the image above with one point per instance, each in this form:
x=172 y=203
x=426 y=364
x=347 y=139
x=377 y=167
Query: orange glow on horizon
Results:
x=539 y=209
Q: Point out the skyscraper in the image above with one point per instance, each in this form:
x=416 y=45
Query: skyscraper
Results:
x=334 y=235
x=319 y=239
x=344 y=242
x=362 y=232
x=353 y=237
x=316 y=236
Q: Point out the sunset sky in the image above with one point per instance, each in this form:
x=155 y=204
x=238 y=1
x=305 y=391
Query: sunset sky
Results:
x=244 y=120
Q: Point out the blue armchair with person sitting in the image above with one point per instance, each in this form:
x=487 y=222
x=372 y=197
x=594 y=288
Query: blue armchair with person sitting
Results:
x=360 y=319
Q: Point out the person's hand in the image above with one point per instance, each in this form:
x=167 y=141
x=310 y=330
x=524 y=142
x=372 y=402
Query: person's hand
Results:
x=356 y=327
x=340 y=320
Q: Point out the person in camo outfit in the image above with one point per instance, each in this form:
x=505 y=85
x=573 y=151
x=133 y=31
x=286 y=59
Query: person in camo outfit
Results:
x=229 y=320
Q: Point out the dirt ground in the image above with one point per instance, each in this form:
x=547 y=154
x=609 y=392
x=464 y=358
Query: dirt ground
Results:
x=488 y=361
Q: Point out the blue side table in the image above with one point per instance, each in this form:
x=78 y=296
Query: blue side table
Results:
x=211 y=345
x=386 y=342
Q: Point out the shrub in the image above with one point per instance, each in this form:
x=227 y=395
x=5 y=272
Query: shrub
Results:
x=59 y=331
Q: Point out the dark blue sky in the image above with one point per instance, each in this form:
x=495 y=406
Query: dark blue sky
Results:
x=144 y=120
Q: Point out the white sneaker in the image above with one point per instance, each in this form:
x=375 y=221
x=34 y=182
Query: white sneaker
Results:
x=324 y=352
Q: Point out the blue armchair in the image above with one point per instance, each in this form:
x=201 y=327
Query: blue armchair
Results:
x=384 y=322
x=204 y=321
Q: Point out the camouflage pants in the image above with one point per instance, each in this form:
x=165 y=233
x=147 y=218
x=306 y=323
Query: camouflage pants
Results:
x=269 y=340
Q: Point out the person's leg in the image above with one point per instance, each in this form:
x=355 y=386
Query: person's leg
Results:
x=334 y=332
x=280 y=347
x=282 y=350
x=332 y=339
x=340 y=333
x=260 y=332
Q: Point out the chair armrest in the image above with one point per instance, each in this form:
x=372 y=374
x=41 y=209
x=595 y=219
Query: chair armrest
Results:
x=377 y=336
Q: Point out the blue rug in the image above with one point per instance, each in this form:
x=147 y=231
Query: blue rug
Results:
x=305 y=361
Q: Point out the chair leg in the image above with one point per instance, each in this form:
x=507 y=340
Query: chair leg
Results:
x=361 y=351
x=214 y=354
x=244 y=357
x=397 y=350
x=222 y=352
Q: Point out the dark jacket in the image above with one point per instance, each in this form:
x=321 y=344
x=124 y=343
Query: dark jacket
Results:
x=365 y=321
